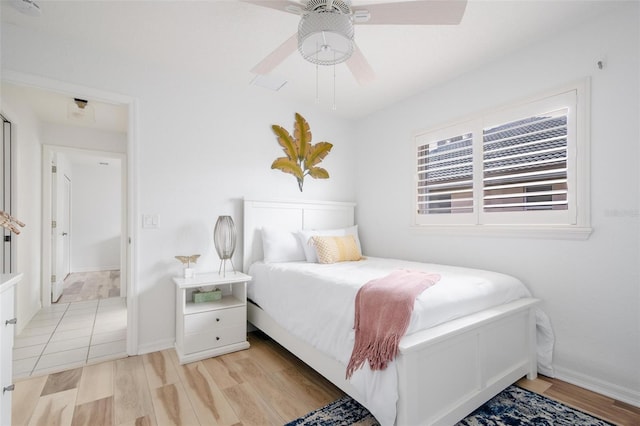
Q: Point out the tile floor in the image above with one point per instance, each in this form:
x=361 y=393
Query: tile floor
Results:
x=92 y=285
x=69 y=335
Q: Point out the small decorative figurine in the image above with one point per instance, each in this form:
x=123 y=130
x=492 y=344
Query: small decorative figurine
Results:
x=186 y=260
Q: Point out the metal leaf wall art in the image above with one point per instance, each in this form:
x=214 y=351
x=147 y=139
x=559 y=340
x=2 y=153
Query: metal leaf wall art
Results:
x=302 y=157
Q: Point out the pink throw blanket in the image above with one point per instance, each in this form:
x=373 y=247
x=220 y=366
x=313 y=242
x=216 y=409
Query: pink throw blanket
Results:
x=383 y=312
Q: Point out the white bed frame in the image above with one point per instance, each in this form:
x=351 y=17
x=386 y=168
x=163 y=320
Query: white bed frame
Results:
x=445 y=372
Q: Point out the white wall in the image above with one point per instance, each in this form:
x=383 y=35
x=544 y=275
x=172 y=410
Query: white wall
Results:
x=199 y=155
x=589 y=288
x=96 y=193
x=83 y=138
x=27 y=183
x=201 y=147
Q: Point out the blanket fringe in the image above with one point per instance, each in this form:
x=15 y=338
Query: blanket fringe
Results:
x=378 y=355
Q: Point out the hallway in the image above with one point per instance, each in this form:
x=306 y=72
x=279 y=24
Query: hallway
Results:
x=68 y=335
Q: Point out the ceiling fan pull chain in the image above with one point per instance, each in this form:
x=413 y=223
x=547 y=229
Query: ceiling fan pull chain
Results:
x=317 y=90
x=334 y=82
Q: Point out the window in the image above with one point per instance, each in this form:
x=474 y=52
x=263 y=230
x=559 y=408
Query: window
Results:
x=518 y=167
x=445 y=173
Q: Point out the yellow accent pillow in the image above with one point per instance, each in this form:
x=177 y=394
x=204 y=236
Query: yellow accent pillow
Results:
x=336 y=249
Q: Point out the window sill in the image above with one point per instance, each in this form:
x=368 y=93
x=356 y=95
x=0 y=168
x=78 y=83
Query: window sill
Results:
x=548 y=232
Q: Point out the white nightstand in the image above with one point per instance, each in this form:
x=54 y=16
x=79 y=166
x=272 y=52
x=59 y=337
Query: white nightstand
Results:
x=208 y=329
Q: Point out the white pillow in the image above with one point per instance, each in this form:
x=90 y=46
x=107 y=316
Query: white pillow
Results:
x=279 y=245
x=310 y=251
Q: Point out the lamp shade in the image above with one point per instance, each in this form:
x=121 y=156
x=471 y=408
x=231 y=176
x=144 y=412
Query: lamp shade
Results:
x=325 y=38
x=224 y=238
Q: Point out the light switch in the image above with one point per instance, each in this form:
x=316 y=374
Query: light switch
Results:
x=151 y=221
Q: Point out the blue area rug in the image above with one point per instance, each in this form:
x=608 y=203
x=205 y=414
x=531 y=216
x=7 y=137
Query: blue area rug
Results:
x=512 y=407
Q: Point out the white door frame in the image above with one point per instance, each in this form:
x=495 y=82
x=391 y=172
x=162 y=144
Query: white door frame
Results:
x=130 y=236
x=7 y=251
x=60 y=211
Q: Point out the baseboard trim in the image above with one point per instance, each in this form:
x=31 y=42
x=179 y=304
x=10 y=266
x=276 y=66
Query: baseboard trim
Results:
x=159 y=345
x=611 y=390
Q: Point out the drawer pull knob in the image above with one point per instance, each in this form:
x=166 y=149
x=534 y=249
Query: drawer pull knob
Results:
x=9 y=388
x=11 y=321
x=217 y=319
x=217 y=338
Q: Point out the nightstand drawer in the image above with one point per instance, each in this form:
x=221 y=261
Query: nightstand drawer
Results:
x=214 y=338
x=213 y=320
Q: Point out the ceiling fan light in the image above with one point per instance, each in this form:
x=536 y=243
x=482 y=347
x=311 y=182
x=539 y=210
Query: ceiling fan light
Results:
x=325 y=38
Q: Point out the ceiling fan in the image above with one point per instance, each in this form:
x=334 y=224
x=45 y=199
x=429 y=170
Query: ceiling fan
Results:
x=325 y=33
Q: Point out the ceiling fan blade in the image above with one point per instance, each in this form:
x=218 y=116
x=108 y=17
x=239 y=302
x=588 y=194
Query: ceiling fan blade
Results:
x=360 y=68
x=419 y=12
x=276 y=57
x=281 y=5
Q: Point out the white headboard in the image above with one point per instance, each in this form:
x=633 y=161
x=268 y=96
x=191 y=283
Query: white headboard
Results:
x=292 y=216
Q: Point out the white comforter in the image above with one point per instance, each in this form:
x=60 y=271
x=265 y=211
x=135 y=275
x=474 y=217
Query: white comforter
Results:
x=315 y=302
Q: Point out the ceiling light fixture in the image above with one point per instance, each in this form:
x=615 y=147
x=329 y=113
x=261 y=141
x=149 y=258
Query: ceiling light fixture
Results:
x=325 y=36
x=81 y=103
x=79 y=110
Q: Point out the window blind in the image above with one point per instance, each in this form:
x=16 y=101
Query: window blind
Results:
x=525 y=164
x=445 y=176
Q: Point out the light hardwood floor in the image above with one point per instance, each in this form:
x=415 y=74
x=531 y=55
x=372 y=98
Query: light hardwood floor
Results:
x=264 y=385
x=574 y=396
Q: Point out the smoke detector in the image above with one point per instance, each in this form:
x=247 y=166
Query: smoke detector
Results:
x=28 y=7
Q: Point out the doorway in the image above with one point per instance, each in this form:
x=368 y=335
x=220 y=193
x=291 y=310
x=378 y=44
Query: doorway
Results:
x=126 y=215
x=88 y=224
x=80 y=325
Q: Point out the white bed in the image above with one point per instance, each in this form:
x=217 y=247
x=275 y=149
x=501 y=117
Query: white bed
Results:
x=442 y=373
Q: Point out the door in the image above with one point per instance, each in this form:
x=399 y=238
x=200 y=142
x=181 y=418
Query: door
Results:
x=64 y=229
x=60 y=227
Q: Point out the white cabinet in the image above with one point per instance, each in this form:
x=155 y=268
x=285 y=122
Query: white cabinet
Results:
x=207 y=329
x=7 y=330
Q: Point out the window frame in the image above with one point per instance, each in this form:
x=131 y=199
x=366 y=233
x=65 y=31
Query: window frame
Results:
x=572 y=223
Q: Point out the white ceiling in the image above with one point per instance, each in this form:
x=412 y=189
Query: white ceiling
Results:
x=224 y=39
x=58 y=108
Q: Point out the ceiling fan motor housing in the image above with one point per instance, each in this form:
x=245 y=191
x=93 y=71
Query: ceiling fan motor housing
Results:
x=340 y=6
x=325 y=32
x=325 y=38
